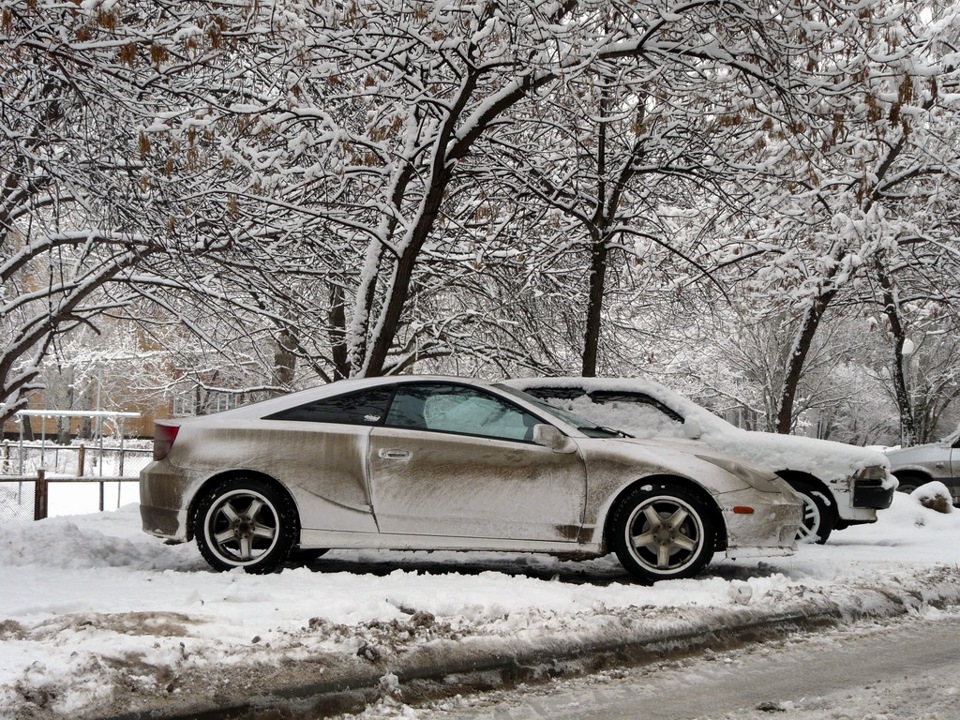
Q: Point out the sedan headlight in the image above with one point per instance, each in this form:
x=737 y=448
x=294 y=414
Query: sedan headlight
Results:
x=874 y=472
x=762 y=480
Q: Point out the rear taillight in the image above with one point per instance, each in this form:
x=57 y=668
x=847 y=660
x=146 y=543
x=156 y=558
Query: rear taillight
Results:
x=163 y=437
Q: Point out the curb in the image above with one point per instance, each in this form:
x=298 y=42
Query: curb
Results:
x=446 y=668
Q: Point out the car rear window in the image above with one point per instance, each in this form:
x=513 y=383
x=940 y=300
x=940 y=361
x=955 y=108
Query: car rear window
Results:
x=605 y=397
x=555 y=393
x=364 y=407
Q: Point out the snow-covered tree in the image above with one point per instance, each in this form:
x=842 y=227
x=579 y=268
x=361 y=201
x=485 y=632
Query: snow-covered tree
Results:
x=71 y=229
x=858 y=166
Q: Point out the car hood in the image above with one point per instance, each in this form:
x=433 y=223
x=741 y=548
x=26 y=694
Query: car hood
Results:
x=713 y=469
x=898 y=456
x=698 y=448
x=825 y=459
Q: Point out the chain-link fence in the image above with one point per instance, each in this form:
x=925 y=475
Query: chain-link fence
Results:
x=17 y=500
x=109 y=481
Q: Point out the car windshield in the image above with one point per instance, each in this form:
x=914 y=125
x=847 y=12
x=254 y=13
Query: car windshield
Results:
x=588 y=428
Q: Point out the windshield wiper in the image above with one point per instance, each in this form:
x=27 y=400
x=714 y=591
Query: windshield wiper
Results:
x=612 y=432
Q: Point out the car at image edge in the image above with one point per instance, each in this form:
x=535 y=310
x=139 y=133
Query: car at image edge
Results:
x=841 y=484
x=429 y=463
x=914 y=466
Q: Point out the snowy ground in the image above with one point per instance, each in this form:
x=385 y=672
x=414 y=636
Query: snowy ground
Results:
x=904 y=668
x=97 y=618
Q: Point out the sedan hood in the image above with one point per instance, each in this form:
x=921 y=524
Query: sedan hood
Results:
x=822 y=458
x=913 y=453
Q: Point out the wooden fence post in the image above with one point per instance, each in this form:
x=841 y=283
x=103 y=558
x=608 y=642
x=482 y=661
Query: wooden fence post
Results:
x=40 y=496
x=81 y=459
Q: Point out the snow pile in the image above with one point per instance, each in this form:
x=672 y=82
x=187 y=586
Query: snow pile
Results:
x=95 y=614
x=934 y=495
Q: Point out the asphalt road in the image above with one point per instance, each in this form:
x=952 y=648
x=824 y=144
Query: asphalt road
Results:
x=903 y=670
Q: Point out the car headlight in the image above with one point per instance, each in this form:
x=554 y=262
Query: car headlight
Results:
x=762 y=480
x=874 y=472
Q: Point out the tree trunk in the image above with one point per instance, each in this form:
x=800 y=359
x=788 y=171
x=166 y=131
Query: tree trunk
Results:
x=798 y=356
x=900 y=361
x=284 y=361
x=337 y=320
x=63 y=423
x=89 y=400
x=395 y=301
x=27 y=424
x=591 y=336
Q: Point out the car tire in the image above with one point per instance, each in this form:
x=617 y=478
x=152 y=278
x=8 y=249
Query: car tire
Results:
x=245 y=522
x=908 y=482
x=818 y=515
x=662 y=533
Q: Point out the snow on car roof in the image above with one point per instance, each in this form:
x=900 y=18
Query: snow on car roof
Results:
x=684 y=405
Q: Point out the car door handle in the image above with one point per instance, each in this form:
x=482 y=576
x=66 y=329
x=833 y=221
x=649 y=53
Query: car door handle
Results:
x=394 y=454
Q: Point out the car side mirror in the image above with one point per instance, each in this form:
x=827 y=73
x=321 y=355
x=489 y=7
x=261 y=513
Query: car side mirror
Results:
x=692 y=428
x=549 y=437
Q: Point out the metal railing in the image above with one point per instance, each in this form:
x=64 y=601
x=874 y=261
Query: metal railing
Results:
x=28 y=468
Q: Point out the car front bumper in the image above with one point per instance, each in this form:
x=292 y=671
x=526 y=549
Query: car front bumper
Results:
x=871 y=493
x=771 y=529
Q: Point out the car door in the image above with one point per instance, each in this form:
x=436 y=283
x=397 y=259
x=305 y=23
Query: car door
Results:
x=319 y=449
x=456 y=460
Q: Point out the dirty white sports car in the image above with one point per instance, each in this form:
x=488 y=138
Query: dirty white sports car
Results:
x=449 y=463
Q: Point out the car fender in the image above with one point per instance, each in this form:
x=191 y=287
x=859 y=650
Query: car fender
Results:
x=614 y=465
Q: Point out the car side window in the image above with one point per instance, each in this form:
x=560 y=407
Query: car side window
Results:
x=365 y=407
x=459 y=409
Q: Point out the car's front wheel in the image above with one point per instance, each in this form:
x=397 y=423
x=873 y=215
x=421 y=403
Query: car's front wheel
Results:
x=818 y=519
x=662 y=533
x=245 y=522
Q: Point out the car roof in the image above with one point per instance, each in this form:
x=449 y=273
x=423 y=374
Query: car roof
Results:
x=339 y=387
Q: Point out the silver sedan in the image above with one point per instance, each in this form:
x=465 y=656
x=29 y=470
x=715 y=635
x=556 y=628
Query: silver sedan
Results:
x=920 y=464
x=429 y=463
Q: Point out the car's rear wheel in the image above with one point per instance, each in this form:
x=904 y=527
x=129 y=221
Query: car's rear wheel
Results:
x=662 y=533
x=245 y=522
x=818 y=518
